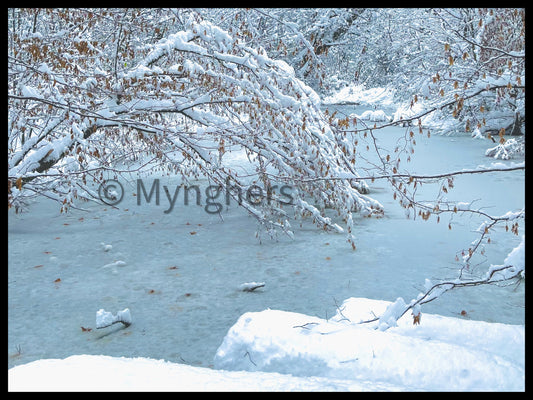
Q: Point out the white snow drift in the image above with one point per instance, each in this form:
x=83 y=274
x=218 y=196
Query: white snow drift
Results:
x=442 y=353
x=279 y=350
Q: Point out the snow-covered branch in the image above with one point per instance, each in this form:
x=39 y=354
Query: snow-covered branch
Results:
x=413 y=177
x=180 y=100
x=441 y=106
x=513 y=269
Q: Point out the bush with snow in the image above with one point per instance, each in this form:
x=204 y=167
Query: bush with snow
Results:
x=509 y=149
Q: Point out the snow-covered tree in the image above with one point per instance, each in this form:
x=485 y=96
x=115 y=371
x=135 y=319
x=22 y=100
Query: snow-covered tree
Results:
x=94 y=91
x=481 y=78
x=466 y=65
x=314 y=41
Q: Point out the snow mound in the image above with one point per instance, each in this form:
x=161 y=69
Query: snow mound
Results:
x=407 y=111
x=89 y=373
x=442 y=353
x=276 y=350
x=106 y=247
x=359 y=94
x=374 y=115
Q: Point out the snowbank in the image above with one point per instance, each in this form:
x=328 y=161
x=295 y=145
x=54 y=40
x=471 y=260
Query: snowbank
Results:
x=358 y=94
x=286 y=351
x=405 y=111
x=103 y=373
x=373 y=115
x=442 y=353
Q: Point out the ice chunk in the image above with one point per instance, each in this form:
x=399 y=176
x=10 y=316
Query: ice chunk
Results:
x=106 y=247
x=105 y=318
x=251 y=286
x=124 y=316
x=118 y=263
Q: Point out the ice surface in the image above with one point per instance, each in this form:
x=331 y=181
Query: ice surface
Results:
x=178 y=272
x=280 y=350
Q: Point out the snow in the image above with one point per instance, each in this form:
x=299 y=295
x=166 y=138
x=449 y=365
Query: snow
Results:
x=44 y=68
x=287 y=351
x=515 y=261
x=112 y=266
x=183 y=274
x=360 y=95
x=105 y=318
x=408 y=110
x=251 y=286
x=373 y=115
x=29 y=91
x=89 y=373
x=106 y=247
x=517 y=257
x=391 y=314
x=442 y=353
x=191 y=277
x=510 y=149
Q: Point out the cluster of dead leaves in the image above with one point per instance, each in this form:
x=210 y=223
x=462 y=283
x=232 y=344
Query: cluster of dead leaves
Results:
x=192 y=232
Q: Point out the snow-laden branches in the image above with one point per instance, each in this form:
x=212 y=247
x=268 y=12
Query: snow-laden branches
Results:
x=512 y=270
x=83 y=100
x=464 y=68
x=477 y=81
x=115 y=91
x=419 y=177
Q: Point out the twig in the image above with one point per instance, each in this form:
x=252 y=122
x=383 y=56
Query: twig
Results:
x=304 y=326
x=340 y=312
x=445 y=286
x=390 y=176
x=347 y=361
x=249 y=357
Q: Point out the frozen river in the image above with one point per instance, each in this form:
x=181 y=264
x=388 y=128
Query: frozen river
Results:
x=180 y=272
